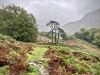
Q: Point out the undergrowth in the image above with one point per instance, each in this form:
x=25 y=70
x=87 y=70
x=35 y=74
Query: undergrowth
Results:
x=13 y=55
x=72 y=62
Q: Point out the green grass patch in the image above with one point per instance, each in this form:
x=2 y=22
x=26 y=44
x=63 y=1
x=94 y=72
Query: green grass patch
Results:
x=33 y=71
x=37 y=54
x=3 y=70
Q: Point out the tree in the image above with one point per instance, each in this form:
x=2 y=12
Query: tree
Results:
x=43 y=33
x=56 y=31
x=54 y=26
x=91 y=35
x=17 y=23
x=96 y=40
x=78 y=34
x=61 y=33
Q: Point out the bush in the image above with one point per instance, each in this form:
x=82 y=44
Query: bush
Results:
x=71 y=37
x=91 y=35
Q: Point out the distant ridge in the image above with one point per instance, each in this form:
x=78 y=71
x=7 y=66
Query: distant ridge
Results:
x=90 y=20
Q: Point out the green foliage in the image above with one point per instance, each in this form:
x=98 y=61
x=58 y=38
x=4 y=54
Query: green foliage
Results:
x=91 y=35
x=62 y=33
x=60 y=48
x=32 y=69
x=54 y=27
x=74 y=62
x=78 y=34
x=13 y=54
x=71 y=37
x=56 y=32
x=17 y=23
x=46 y=34
x=3 y=70
x=96 y=40
x=96 y=66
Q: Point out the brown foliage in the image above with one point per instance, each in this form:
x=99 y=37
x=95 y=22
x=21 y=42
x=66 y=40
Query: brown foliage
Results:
x=3 y=51
x=15 y=61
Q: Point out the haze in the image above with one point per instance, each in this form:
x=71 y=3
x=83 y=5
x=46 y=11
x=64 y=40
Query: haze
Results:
x=62 y=11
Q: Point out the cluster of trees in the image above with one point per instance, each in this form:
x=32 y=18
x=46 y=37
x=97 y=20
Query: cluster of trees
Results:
x=43 y=33
x=17 y=23
x=56 y=31
x=91 y=35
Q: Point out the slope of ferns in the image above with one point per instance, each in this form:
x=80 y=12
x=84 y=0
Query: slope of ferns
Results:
x=72 y=62
x=13 y=56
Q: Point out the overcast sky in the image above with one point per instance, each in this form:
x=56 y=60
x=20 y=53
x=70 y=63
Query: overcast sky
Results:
x=62 y=11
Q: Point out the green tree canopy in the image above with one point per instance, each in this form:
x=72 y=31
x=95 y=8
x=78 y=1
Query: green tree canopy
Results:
x=17 y=23
x=91 y=35
x=62 y=33
x=54 y=26
x=96 y=40
x=56 y=31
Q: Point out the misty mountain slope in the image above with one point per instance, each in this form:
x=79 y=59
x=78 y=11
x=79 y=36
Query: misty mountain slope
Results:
x=43 y=28
x=90 y=20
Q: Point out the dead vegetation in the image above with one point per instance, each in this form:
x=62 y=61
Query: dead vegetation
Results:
x=69 y=62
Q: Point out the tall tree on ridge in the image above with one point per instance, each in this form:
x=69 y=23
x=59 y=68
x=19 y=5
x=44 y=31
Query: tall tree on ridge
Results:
x=54 y=26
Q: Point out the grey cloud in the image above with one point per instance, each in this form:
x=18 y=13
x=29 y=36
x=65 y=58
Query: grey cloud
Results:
x=62 y=11
x=85 y=6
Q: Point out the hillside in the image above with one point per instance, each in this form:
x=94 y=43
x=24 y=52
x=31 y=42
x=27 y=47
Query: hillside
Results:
x=71 y=57
x=90 y=20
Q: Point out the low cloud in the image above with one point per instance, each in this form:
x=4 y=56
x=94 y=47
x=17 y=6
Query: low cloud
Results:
x=62 y=11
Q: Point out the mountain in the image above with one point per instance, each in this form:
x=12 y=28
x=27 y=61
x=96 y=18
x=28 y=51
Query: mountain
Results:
x=43 y=28
x=90 y=20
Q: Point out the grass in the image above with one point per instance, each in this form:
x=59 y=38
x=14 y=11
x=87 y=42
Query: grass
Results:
x=15 y=47
x=33 y=71
x=86 y=62
x=37 y=54
x=3 y=70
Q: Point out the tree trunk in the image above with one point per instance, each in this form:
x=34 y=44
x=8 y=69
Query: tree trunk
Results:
x=58 y=38
x=55 y=37
x=52 y=36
